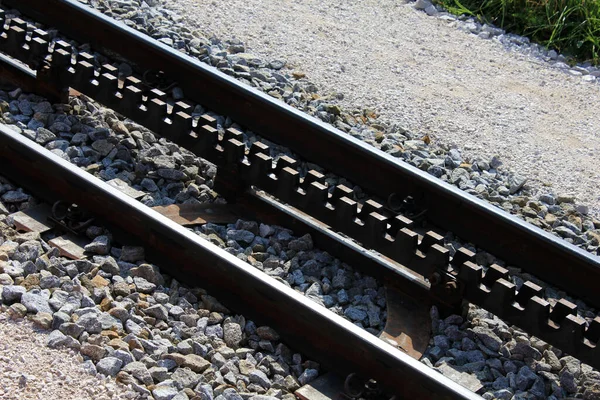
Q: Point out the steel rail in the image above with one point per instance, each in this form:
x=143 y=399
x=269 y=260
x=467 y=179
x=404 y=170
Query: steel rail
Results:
x=494 y=230
x=319 y=333
x=558 y=325
x=11 y=71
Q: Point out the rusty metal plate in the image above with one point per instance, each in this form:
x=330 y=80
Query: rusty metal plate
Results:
x=199 y=214
x=408 y=324
x=70 y=246
x=326 y=387
x=34 y=219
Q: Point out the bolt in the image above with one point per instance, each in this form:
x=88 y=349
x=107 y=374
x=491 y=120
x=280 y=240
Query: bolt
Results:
x=435 y=278
x=450 y=287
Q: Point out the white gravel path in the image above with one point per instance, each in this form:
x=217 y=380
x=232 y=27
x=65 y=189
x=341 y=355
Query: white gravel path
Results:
x=30 y=370
x=430 y=77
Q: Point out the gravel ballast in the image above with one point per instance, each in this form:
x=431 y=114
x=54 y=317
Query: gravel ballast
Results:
x=129 y=321
x=448 y=347
x=467 y=350
x=429 y=77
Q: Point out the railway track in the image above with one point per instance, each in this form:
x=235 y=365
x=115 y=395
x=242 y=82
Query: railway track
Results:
x=396 y=234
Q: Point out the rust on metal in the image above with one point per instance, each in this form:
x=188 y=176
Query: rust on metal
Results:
x=34 y=219
x=408 y=325
x=199 y=214
x=69 y=246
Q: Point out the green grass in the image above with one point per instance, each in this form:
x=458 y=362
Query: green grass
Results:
x=571 y=27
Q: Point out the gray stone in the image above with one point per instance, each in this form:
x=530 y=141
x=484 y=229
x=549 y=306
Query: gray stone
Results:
x=527 y=351
x=500 y=383
x=164 y=392
x=422 y=5
x=89 y=367
x=110 y=266
x=204 y=391
x=231 y=394
x=488 y=338
x=103 y=147
x=441 y=341
x=36 y=301
x=176 y=312
x=90 y=323
x=565 y=232
x=260 y=378
x=516 y=183
x=56 y=339
x=214 y=331
x=240 y=235
x=159 y=374
x=308 y=375
x=548 y=199
x=355 y=314
x=149 y=272
x=44 y=136
x=50 y=281
x=172 y=174
x=109 y=366
x=342 y=279
x=12 y=293
x=124 y=356
x=503 y=394
x=100 y=245
x=525 y=378
x=59 y=318
x=43 y=107
x=139 y=371
x=232 y=334
x=143 y=286
x=277 y=64
x=262 y=397
x=185 y=378
x=181 y=395
x=14 y=196
x=132 y=327
x=100 y=133
x=167 y=363
x=157 y=311
x=71 y=329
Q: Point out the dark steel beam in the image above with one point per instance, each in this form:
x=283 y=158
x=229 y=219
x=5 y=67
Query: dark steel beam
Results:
x=310 y=328
x=15 y=73
x=503 y=235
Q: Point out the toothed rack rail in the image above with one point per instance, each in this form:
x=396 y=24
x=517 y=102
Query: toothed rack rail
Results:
x=375 y=235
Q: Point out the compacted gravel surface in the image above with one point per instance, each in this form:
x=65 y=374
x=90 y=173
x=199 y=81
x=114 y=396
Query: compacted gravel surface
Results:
x=28 y=370
x=430 y=77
